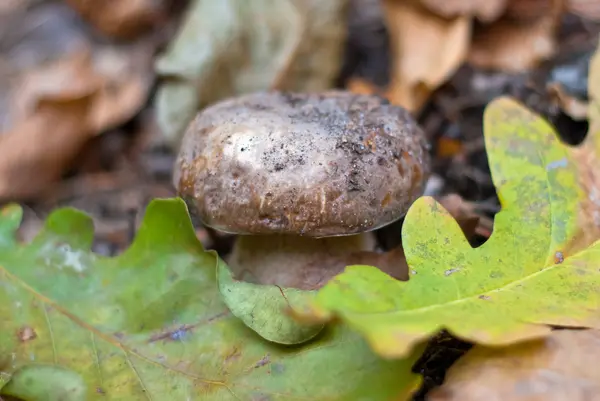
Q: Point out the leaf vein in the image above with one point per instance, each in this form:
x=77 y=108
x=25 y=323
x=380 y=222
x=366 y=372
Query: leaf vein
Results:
x=137 y=375
x=98 y=333
x=469 y=298
x=51 y=333
x=97 y=359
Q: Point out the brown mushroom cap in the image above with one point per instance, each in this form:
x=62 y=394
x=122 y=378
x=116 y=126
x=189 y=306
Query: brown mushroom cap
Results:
x=327 y=164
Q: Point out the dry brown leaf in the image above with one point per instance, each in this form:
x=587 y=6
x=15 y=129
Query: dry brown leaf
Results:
x=559 y=367
x=594 y=94
x=117 y=76
x=362 y=86
x=51 y=109
x=47 y=65
x=483 y=10
x=577 y=109
x=589 y=181
x=467 y=217
x=528 y=10
x=448 y=147
x=426 y=49
x=36 y=151
x=10 y=6
x=127 y=78
x=588 y=9
x=68 y=78
x=588 y=159
x=513 y=47
x=516 y=45
x=30 y=37
x=120 y=18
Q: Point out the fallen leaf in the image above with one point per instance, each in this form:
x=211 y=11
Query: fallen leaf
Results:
x=426 y=50
x=45 y=139
x=588 y=160
x=124 y=19
x=150 y=324
x=362 y=86
x=530 y=10
x=30 y=38
x=128 y=79
x=49 y=383
x=514 y=44
x=448 y=147
x=594 y=95
x=587 y=9
x=532 y=272
x=38 y=150
x=552 y=369
x=47 y=57
x=483 y=10
x=117 y=75
x=575 y=108
x=260 y=308
x=68 y=78
x=10 y=6
x=229 y=47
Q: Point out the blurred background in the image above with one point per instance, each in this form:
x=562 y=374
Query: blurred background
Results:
x=95 y=95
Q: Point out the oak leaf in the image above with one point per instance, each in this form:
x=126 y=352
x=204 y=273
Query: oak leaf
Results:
x=150 y=324
x=535 y=270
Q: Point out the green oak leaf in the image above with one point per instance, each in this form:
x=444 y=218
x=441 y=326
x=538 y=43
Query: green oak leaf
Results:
x=262 y=308
x=531 y=273
x=150 y=325
x=46 y=382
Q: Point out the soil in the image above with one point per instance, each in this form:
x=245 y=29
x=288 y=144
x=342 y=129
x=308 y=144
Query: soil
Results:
x=122 y=170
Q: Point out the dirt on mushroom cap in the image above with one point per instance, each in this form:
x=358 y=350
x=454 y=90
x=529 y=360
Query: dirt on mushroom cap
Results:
x=318 y=165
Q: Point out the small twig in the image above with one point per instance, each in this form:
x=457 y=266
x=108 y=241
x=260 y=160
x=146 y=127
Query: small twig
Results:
x=282 y=293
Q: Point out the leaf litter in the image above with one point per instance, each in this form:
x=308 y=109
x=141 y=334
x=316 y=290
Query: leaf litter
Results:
x=431 y=39
x=180 y=331
x=524 y=37
x=483 y=10
x=48 y=60
x=123 y=19
x=552 y=369
x=426 y=49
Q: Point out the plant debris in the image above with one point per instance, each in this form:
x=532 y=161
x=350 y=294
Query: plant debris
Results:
x=555 y=368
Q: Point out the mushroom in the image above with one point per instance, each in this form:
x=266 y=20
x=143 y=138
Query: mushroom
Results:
x=302 y=180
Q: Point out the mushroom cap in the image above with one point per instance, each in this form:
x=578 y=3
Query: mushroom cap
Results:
x=316 y=164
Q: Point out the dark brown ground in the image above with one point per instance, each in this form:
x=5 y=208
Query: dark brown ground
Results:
x=121 y=171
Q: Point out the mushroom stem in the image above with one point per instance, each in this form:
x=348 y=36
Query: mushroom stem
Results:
x=305 y=262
